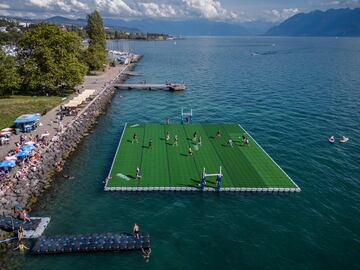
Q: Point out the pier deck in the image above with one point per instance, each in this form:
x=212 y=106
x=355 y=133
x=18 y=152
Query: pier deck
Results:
x=152 y=86
x=165 y=167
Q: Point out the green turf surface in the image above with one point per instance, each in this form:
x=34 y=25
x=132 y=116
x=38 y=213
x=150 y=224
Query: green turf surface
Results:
x=166 y=165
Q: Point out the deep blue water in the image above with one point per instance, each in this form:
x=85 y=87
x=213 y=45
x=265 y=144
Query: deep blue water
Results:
x=290 y=94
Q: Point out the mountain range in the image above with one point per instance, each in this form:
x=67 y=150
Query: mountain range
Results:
x=333 y=22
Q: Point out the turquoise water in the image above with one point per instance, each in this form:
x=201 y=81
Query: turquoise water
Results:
x=291 y=94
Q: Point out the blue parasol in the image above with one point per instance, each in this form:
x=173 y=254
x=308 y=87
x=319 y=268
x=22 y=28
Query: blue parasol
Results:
x=7 y=163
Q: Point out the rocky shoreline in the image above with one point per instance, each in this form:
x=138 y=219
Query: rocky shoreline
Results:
x=24 y=192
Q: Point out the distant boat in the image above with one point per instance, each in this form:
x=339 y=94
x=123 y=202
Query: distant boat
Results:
x=344 y=139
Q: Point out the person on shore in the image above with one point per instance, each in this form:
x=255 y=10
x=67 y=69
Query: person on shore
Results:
x=175 y=141
x=218 y=134
x=138 y=174
x=150 y=144
x=20 y=234
x=26 y=217
x=167 y=136
x=190 y=152
x=230 y=142
x=199 y=141
x=136 y=231
x=134 y=138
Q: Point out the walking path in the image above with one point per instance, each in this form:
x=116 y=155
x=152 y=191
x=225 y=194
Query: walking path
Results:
x=48 y=121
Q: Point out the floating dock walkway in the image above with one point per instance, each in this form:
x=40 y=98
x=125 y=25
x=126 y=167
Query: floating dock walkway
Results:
x=97 y=242
x=31 y=229
x=168 y=166
x=152 y=86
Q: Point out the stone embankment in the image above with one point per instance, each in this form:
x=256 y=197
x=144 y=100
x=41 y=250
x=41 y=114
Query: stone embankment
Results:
x=23 y=192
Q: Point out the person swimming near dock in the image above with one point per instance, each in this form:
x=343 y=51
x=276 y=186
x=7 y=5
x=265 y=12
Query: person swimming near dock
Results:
x=218 y=134
x=138 y=173
x=21 y=247
x=136 y=231
x=175 y=141
x=167 y=136
x=190 y=152
x=150 y=144
x=134 y=138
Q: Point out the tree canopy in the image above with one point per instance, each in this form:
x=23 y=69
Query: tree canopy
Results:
x=48 y=58
x=96 y=54
x=9 y=79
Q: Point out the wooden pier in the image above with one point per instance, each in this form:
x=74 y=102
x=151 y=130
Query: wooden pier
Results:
x=152 y=86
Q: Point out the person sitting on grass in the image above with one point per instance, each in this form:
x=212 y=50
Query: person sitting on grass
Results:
x=138 y=174
x=190 y=152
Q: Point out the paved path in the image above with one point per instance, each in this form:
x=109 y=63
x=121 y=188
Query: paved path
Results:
x=98 y=82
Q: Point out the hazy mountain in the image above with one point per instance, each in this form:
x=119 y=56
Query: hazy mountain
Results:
x=172 y=27
x=198 y=27
x=333 y=22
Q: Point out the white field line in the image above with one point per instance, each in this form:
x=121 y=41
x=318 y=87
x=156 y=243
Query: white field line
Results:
x=297 y=187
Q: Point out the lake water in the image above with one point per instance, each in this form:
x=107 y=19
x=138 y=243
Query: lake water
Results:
x=290 y=94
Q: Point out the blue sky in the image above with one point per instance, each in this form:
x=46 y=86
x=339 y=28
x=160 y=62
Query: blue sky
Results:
x=219 y=10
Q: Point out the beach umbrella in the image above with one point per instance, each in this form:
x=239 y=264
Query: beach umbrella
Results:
x=28 y=147
x=7 y=129
x=22 y=154
x=7 y=164
x=11 y=158
x=30 y=143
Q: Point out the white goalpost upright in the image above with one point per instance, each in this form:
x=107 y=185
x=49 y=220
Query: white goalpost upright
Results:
x=218 y=176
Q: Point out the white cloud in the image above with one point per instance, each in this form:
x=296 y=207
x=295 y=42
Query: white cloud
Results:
x=210 y=9
x=63 y=5
x=276 y=15
x=42 y=3
x=118 y=7
x=159 y=10
x=79 y=5
x=4 y=6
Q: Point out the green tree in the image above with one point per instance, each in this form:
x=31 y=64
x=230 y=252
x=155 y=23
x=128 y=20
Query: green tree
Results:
x=9 y=79
x=94 y=56
x=49 y=62
x=97 y=41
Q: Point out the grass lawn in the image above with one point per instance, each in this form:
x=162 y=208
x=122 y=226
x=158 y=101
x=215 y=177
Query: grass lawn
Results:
x=14 y=106
x=166 y=165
